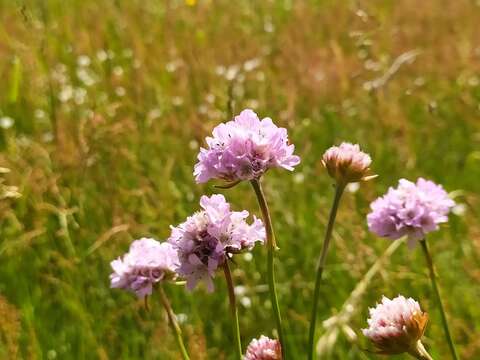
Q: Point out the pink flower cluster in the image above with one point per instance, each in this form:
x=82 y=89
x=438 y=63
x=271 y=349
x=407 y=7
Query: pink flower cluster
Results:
x=396 y=325
x=194 y=251
x=263 y=349
x=411 y=209
x=244 y=149
x=209 y=237
x=147 y=262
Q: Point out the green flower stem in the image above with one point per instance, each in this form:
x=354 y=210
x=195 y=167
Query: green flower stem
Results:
x=433 y=278
x=172 y=320
x=320 y=266
x=233 y=308
x=272 y=247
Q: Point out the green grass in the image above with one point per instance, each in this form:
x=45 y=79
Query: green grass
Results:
x=103 y=153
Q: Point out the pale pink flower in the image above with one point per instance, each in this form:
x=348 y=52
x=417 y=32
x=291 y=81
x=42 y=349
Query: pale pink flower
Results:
x=146 y=263
x=212 y=236
x=244 y=149
x=396 y=326
x=263 y=348
x=411 y=209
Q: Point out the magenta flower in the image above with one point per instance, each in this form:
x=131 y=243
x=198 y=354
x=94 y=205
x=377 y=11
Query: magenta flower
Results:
x=211 y=236
x=147 y=262
x=244 y=149
x=263 y=349
x=396 y=326
x=411 y=210
x=347 y=163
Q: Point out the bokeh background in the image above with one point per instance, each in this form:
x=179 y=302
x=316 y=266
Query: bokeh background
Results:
x=103 y=107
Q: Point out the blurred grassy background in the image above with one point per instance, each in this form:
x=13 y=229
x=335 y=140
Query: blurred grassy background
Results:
x=104 y=104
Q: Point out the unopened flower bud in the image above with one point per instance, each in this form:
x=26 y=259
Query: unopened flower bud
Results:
x=347 y=163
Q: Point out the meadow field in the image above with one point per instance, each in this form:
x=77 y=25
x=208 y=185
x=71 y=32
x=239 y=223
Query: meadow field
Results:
x=103 y=108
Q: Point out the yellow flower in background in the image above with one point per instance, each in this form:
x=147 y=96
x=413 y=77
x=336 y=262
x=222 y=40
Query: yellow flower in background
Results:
x=190 y=2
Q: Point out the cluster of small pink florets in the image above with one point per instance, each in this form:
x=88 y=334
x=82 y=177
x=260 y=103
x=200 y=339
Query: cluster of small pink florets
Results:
x=194 y=251
x=210 y=237
x=263 y=348
x=244 y=149
x=146 y=263
x=396 y=325
x=411 y=209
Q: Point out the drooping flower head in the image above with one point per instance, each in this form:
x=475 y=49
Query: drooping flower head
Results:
x=209 y=237
x=263 y=349
x=411 y=209
x=244 y=149
x=347 y=163
x=395 y=326
x=147 y=262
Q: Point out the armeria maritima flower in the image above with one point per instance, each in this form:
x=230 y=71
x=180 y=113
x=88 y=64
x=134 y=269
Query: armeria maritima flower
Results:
x=263 y=349
x=146 y=263
x=209 y=237
x=411 y=209
x=347 y=163
x=396 y=326
x=244 y=149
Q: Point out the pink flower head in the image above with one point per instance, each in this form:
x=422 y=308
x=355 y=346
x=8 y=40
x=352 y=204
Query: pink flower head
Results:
x=146 y=263
x=395 y=326
x=209 y=237
x=347 y=163
x=244 y=149
x=411 y=210
x=263 y=349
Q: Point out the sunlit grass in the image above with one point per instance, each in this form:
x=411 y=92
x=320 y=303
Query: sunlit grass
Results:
x=104 y=104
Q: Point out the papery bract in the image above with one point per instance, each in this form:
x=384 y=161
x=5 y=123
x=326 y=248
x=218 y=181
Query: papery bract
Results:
x=209 y=237
x=244 y=149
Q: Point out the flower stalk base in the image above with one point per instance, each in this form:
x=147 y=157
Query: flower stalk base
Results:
x=233 y=308
x=172 y=320
x=271 y=247
x=419 y=352
x=321 y=265
x=433 y=278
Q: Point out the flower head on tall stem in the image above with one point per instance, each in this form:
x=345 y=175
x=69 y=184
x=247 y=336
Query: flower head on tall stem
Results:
x=208 y=238
x=411 y=209
x=146 y=263
x=396 y=326
x=347 y=163
x=244 y=149
x=263 y=348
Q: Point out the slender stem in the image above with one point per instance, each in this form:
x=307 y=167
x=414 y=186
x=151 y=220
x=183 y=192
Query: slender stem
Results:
x=320 y=266
x=172 y=320
x=433 y=276
x=271 y=246
x=233 y=308
x=419 y=352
